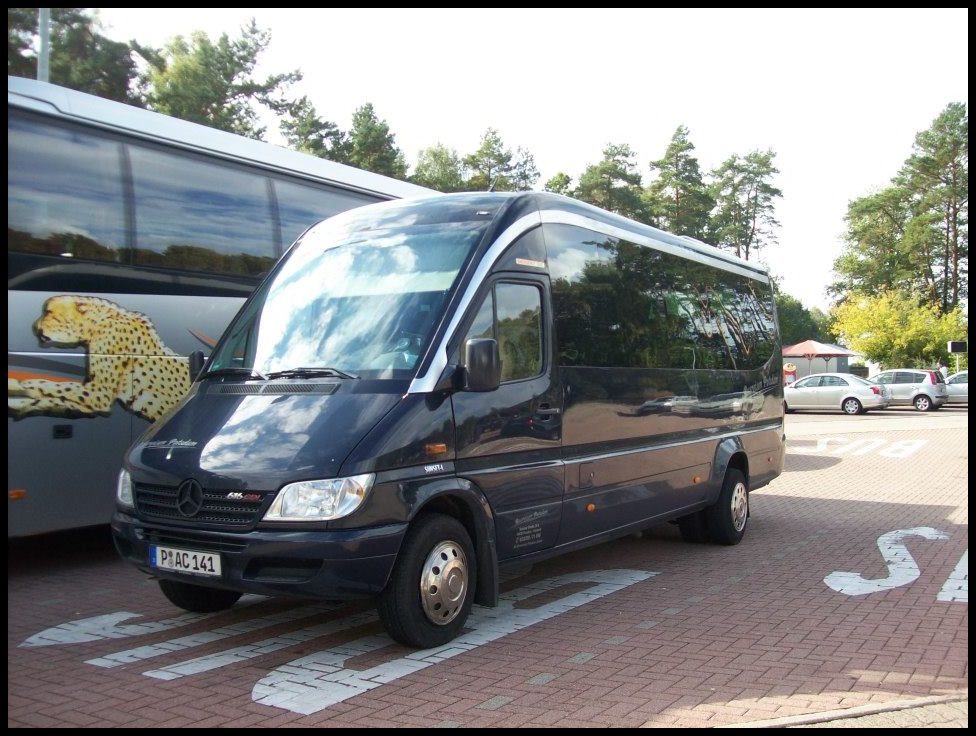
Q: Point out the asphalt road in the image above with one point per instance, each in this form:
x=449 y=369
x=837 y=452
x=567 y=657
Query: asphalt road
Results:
x=848 y=596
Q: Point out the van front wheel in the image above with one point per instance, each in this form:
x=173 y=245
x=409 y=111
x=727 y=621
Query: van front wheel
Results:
x=727 y=518
x=429 y=596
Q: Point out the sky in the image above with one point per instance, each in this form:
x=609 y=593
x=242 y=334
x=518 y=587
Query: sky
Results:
x=838 y=95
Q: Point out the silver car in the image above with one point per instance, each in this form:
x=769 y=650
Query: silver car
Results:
x=958 y=387
x=921 y=388
x=835 y=391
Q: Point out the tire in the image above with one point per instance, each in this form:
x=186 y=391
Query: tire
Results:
x=923 y=403
x=694 y=528
x=852 y=407
x=431 y=590
x=198 y=598
x=727 y=518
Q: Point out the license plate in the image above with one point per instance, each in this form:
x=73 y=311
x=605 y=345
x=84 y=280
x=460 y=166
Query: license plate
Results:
x=185 y=560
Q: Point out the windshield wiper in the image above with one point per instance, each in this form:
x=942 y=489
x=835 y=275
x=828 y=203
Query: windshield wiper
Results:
x=247 y=372
x=310 y=373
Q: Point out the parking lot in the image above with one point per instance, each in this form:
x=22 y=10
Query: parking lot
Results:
x=850 y=590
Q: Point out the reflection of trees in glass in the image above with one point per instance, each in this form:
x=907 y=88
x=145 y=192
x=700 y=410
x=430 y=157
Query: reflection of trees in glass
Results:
x=176 y=257
x=57 y=244
x=633 y=306
x=520 y=344
x=195 y=258
x=517 y=328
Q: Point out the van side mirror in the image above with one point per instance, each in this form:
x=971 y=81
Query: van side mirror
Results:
x=482 y=364
x=196 y=360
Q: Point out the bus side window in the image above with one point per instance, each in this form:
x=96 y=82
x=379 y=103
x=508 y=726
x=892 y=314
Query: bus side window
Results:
x=203 y=216
x=64 y=201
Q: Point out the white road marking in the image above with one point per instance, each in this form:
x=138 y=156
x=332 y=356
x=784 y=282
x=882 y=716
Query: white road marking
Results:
x=902 y=568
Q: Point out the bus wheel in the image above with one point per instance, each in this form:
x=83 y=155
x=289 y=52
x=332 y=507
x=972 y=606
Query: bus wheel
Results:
x=727 y=518
x=197 y=598
x=429 y=596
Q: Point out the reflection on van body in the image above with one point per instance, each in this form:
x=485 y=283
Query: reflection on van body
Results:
x=424 y=392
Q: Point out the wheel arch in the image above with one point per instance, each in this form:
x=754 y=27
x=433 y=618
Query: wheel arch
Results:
x=730 y=453
x=465 y=502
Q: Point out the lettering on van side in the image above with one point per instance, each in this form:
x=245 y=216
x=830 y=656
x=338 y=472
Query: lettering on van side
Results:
x=528 y=530
x=157 y=444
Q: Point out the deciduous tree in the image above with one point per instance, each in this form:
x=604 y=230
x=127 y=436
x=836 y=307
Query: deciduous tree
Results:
x=897 y=329
x=440 y=168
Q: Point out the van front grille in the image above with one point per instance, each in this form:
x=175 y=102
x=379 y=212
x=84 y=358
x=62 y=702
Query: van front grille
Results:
x=233 y=509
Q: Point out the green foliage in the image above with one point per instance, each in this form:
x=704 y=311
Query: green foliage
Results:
x=913 y=236
x=372 y=146
x=439 y=167
x=615 y=184
x=744 y=219
x=306 y=132
x=797 y=323
x=682 y=199
x=898 y=330
x=80 y=57
x=489 y=165
x=212 y=83
x=561 y=183
x=524 y=173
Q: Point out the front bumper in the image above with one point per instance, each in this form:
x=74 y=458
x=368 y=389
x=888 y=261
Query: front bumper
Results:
x=327 y=565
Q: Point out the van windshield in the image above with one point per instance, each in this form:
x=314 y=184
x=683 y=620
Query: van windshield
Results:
x=359 y=295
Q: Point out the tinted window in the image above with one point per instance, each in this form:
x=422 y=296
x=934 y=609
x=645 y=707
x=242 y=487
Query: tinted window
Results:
x=64 y=200
x=621 y=304
x=512 y=314
x=200 y=215
x=301 y=205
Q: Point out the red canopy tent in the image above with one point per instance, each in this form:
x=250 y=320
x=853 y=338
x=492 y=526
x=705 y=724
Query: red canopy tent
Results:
x=811 y=349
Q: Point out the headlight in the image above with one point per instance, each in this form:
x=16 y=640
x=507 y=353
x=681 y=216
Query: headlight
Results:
x=320 y=500
x=123 y=489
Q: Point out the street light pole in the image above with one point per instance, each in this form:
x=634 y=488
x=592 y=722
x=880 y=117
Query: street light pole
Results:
x=44 y=54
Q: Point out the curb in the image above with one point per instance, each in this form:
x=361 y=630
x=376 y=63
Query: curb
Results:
x=855 y=712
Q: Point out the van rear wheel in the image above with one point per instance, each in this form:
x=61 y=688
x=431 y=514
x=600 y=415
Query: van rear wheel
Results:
x=727 y=518
x=198 y=598
x=431 y=590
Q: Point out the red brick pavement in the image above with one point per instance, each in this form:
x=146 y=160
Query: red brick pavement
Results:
x=720 y=636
